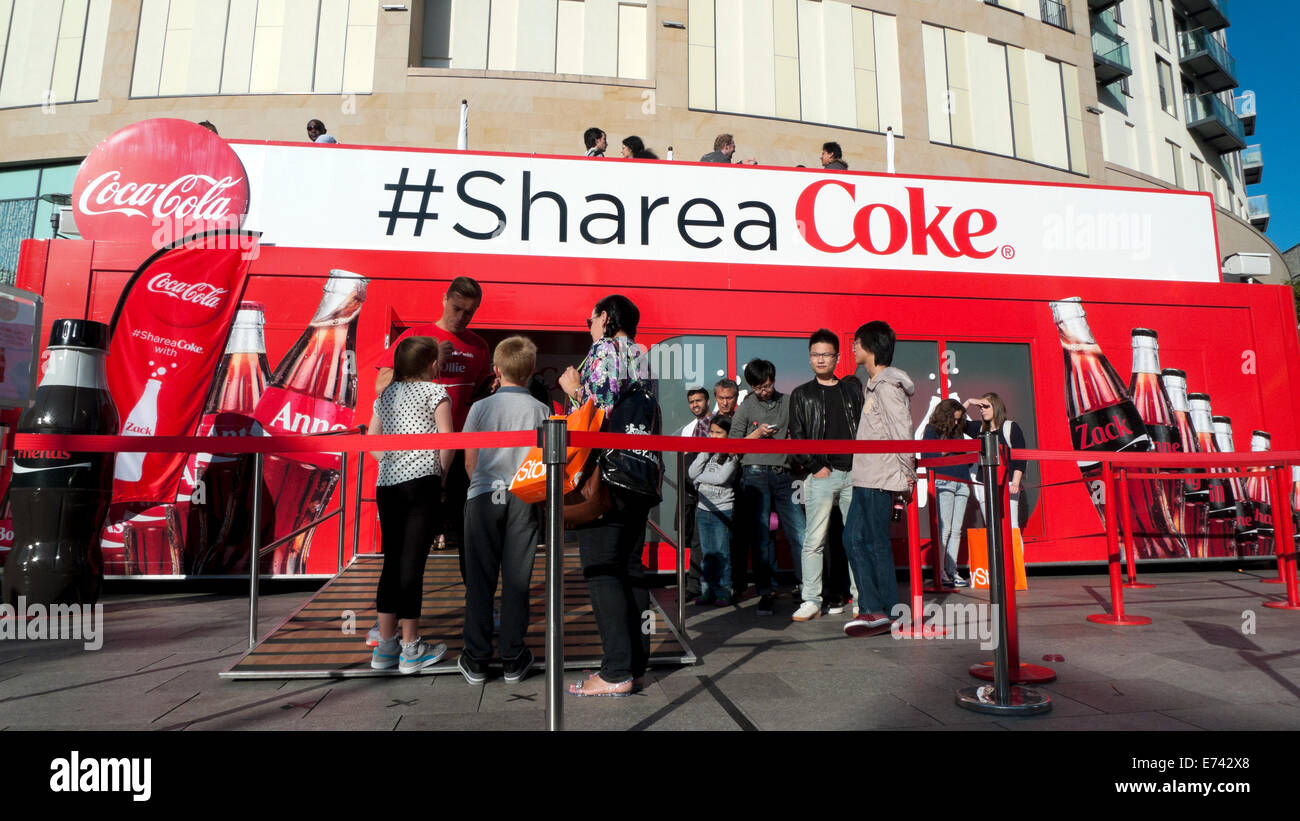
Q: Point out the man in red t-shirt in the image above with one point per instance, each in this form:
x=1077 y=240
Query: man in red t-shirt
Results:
x=466 y=373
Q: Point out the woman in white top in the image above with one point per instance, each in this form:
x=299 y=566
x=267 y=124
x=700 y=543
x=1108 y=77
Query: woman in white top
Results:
x=407 y=493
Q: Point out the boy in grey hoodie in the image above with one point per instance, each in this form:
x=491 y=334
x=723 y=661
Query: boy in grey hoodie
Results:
x=886 y=415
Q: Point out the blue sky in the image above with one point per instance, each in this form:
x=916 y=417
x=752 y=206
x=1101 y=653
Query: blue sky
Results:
x=1262 y=38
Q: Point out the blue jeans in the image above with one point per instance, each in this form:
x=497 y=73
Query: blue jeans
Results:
x=866 y=541
x=820 y=496
x=765 y=489
x=952 y=498
x=715 y=544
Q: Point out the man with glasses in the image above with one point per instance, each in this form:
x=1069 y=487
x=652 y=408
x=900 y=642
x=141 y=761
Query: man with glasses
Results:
x=826 y=407
x=766 y=482
x=697 y=399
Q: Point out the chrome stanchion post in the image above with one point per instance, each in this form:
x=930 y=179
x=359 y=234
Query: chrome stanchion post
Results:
x=1002 y=697
x=343 y=509
x=682 y=536
x=553 y=439
x=254 y=550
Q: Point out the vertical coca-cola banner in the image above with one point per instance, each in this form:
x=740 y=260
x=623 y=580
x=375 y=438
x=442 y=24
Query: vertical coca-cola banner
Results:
x=169 y=332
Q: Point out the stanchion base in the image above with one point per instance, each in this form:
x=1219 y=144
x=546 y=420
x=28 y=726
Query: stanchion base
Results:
x=1139 y=586
x=934 y=588
x=1281 y=605
x=1023 y=674
x=1129 y=620
x=1274 y=581
x=1023 y=701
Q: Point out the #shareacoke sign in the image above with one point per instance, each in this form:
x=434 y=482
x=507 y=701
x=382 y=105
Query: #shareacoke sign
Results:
x=339 y=197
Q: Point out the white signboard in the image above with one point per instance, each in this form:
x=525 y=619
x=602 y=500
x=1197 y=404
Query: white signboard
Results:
x=340 y=197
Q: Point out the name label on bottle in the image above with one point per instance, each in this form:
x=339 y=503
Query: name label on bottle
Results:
x=282 y=412
x=1112 y=429
x=1165 y=439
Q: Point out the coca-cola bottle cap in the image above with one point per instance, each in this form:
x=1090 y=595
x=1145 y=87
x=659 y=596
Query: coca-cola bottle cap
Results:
x=1066 y=309
x=1145 y=332
x=79 y=333
x=249 y=305
x=1198 y=397
x=1173 y=372
x=1263 y=433
x=1221 y=419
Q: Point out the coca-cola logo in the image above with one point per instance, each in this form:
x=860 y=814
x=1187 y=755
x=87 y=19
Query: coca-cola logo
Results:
x=884 y=229
x=196 y=195
x=159 y=180
x=198 y=293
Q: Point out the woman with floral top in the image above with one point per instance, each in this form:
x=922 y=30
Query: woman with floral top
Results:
x=610 y=546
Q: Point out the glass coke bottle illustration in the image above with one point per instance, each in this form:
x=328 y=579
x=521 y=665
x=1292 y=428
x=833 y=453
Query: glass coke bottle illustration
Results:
x=1101 y=412
x=313 y=390
x=1243 y=528
x=1195 y=492
x=1157 y=505
x=1259 y=490
x=1221 y=504
x=218 y=513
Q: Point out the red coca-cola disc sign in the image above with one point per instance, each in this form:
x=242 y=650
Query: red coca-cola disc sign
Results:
x=157 y=181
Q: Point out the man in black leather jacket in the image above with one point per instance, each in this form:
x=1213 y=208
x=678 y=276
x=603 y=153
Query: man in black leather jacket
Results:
x=824 y=408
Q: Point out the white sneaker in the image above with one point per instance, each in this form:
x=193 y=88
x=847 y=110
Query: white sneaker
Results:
x=373 y=637
x=417 y=655
x=807 y=611
x=385 y=656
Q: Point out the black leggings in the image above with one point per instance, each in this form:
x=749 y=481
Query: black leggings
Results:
x=409 y=515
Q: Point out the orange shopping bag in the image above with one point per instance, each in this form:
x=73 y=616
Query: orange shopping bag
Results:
x=977 y=541
x=529 y=483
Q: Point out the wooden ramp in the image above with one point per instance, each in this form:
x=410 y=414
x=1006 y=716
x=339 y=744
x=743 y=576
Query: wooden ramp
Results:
x=312 y=643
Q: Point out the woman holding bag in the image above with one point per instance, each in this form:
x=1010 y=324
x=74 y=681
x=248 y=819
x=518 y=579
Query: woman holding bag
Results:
x=621 y=489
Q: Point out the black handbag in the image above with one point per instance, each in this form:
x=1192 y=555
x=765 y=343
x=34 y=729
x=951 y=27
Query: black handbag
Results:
x=634 y=476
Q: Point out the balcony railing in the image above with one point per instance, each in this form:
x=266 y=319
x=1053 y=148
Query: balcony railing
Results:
x=1110 y=58
x=1213 y=121
x=1212 y=14
x=1055 y=13
x=1244 y=105
x=1252 y=164
x=1206 y=60
x=1257 y=211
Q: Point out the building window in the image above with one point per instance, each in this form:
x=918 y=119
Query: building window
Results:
x=1199 y=167
x=51 y=52
x=23 y=214
x=1219 y=193
x=187 y=47
x=1165 y=77
x=1159 y=32
x=600 y=38
x=1002 y=99
x=828 y=63
x=1176 y=158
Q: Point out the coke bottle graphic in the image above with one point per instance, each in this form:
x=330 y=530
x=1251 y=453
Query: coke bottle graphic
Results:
x=1243 y=530
x=1259 y=490
x=1101 y=411
x=313 y=390
x=1295 y=502
x=151 y=539
x=219 y=505
x=141 y=421
x=1157 y=504
x=59 y=499
x=1195 y=493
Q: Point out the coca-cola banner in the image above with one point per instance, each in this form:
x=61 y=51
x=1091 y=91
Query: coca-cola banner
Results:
x=422 y=200
x=169 y=332
x=158 y=181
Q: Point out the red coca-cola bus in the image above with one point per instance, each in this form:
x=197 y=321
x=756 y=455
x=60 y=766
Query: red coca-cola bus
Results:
x=728 y=264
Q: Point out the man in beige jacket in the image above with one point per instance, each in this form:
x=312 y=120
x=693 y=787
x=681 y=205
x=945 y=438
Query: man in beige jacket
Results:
x=886 y=416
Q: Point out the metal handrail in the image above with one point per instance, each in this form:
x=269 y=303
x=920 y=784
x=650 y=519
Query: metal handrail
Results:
x=255 y=549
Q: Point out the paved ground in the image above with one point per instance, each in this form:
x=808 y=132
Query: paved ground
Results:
x=1214 y=659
